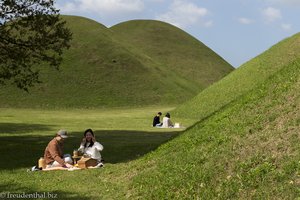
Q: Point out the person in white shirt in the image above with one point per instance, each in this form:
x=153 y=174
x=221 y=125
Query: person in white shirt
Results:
x=90 y=147
x=167 y=123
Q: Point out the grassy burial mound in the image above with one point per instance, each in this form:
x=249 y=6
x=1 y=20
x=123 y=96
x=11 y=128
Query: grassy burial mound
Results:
x=242 y=80
x=175 y=51
x=246 y=149
x=102 y=69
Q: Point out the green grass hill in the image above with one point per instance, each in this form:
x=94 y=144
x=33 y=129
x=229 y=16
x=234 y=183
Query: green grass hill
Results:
x=246 y=144
x=101 y=69
x=175 y=50
x=242 y=80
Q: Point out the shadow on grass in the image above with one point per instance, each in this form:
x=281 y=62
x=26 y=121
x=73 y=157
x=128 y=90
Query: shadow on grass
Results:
x=8 y=190
x=119 y=146
x=123 y=146
x=20 y=128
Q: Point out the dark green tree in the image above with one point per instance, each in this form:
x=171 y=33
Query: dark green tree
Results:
x=32 y=34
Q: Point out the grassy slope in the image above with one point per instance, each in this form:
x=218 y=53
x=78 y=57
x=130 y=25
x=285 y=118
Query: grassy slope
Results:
x=242 y=80
x=99 y=71
x=179 y=52
x=248 y=149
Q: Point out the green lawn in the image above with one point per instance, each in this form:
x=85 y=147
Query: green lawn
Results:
x=125 y=133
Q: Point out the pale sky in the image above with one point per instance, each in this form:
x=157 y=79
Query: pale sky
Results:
x=237 y=30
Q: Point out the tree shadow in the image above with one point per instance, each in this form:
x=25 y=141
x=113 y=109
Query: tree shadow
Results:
x=119 y=146
x=123 y=146
x=20 y=128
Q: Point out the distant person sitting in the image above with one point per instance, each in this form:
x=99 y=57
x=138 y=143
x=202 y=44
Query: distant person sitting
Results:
x=156 y=120
x=90 y=147
x=167 y=123
x=54 y=156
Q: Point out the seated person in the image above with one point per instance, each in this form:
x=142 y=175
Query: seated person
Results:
x=90 y=147
x=54 y=156
x=156 y=120
x=167 y=123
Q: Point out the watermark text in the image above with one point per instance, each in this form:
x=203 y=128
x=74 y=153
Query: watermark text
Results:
x=24 y=195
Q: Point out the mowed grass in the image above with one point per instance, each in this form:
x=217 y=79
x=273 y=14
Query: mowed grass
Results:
x=249 y=149
x=125 y=133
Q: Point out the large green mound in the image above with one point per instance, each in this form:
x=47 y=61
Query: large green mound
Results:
x=174 y=49
x=247 y=147
x=101 y=70
x=242 y=80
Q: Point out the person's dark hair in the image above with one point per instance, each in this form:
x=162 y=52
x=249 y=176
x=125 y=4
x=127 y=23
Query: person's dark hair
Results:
x=159 y=113
x=91 y=142
x=168 y=115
